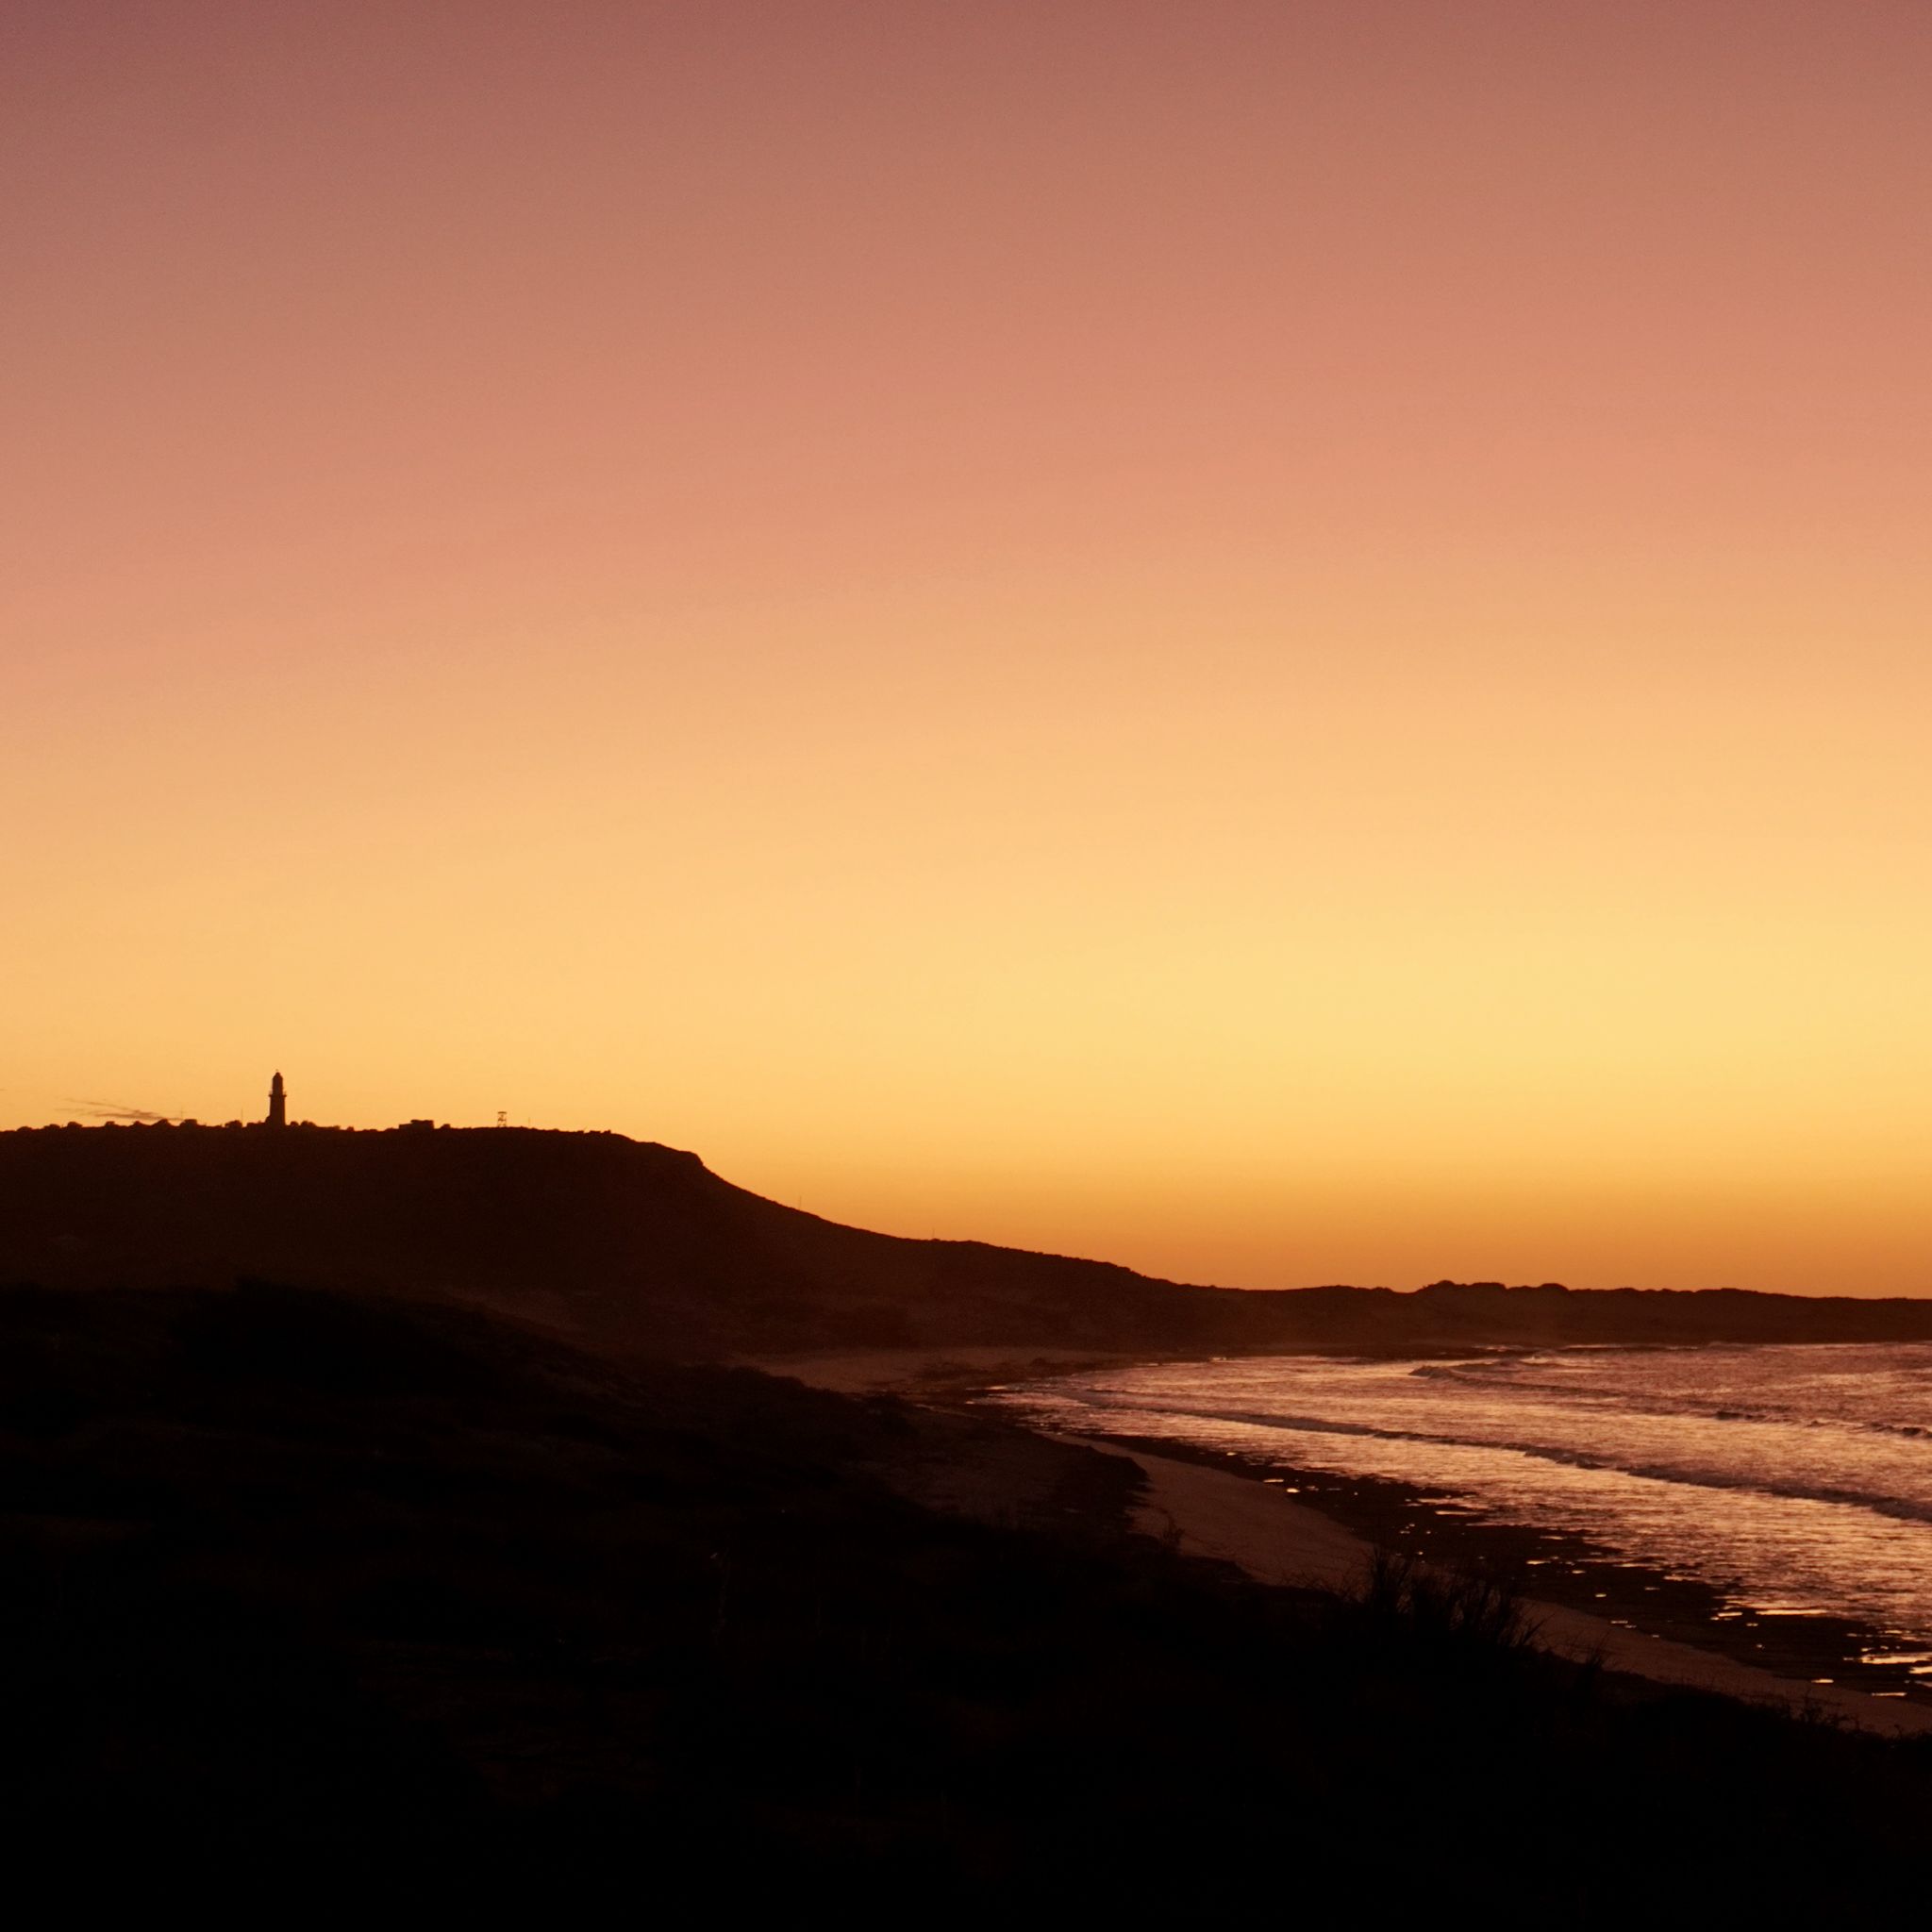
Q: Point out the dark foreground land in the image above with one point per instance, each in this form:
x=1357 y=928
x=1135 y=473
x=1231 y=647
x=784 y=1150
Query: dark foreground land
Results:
x=303 y=1592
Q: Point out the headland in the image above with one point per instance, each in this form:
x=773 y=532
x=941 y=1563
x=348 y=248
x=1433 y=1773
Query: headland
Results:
x=391 y=1492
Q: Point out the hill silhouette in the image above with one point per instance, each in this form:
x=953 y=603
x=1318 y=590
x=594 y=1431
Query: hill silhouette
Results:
x=640 y=1248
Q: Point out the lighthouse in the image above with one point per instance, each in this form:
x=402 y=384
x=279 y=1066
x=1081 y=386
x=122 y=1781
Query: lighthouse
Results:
x=277 y=1102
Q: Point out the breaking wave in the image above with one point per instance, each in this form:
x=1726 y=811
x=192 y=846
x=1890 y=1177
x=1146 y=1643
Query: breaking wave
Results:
x=1798 y=1473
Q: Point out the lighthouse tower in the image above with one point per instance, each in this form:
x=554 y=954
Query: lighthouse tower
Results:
x=277 y=1102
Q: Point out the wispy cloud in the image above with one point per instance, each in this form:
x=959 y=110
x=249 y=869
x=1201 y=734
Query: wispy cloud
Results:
x=106 y=1111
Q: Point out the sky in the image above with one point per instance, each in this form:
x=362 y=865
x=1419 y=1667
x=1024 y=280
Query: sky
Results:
x=1283 y=643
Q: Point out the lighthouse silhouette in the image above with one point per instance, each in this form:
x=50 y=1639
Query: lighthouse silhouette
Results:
x=277 y=1102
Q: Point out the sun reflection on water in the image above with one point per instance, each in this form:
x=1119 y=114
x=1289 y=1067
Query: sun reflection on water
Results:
x=1798 y=1481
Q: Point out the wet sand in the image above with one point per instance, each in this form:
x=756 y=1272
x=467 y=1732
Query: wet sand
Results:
x=1309 y=1528
x=1245 y=1518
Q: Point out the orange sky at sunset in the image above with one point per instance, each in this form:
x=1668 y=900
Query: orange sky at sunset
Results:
x=1283 y=643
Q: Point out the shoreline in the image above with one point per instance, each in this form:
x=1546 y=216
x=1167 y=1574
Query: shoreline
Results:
x=1567 y=1581
x=1296 y=1526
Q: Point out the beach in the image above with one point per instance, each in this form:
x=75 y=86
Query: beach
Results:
x=1236 y=1510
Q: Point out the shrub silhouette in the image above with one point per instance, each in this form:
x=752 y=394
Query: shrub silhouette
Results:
x=1449 y=1610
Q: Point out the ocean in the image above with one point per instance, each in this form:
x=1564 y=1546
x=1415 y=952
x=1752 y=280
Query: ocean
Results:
x=1794 y=1481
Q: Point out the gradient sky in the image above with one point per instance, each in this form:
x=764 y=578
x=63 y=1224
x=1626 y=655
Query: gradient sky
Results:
x=1280 y=642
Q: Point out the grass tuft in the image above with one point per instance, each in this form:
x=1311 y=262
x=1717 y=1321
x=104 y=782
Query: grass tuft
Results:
x=1469 y=1613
